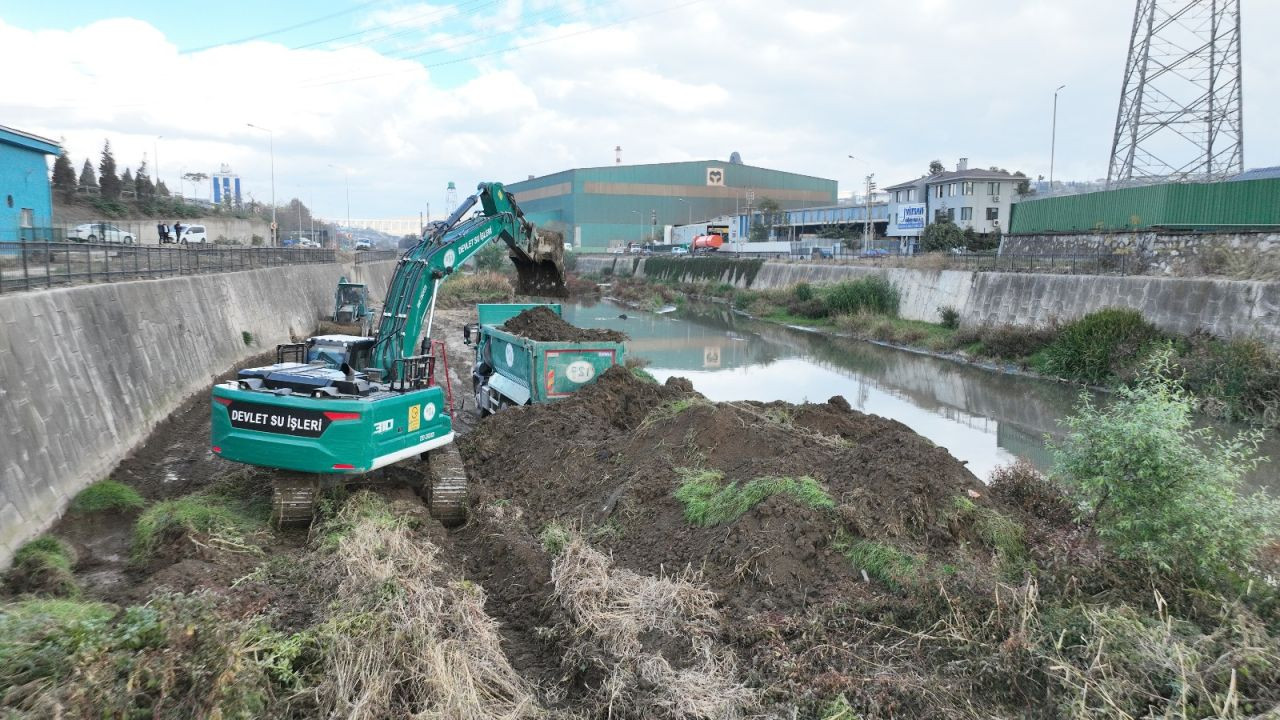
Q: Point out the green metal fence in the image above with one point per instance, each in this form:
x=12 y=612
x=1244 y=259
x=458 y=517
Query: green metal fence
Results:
x=1190 y=207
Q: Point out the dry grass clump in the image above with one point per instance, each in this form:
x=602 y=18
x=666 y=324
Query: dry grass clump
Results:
x=402 y=638
x=464 y=290
x=653 y=638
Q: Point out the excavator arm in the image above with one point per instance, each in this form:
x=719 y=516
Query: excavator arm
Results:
x=445 y=246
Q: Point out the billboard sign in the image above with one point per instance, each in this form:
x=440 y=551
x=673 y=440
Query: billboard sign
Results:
x=911 y=216
x=715 y=176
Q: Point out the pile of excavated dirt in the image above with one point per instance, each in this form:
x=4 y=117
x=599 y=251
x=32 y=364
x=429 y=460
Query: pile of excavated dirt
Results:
x=610 y=459
x=542 y=324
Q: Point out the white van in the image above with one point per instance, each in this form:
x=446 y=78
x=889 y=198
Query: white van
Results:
x=194 y=234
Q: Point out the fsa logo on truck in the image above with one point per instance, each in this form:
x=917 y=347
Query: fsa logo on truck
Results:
x=384 y=426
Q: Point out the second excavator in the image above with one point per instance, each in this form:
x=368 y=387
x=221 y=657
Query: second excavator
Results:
x=337 y=408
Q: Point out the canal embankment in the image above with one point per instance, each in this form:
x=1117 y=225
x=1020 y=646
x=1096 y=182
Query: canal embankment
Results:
x=87 y=372
x=1183 y=306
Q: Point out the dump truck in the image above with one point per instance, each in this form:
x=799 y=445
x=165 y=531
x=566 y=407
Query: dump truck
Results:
x=511 y=369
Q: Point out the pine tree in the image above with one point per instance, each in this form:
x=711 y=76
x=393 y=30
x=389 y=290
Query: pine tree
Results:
x=64 y=175
x=107 y=174
x=126 y=181
x=142 y=182
x=161 y=189
x=87 y=177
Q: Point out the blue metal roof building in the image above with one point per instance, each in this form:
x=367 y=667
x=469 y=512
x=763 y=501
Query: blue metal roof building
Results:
x=617 y=204
x=26 y=200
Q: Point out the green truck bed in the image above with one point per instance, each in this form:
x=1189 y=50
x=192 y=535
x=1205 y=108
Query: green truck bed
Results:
x=530 y=371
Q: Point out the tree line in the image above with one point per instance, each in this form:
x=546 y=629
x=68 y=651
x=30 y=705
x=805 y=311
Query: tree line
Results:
x=110 y=184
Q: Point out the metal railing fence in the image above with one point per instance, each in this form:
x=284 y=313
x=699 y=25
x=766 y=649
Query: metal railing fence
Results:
x=368 y=256
x=41 y=265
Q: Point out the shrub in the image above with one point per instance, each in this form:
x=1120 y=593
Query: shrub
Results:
x=1010 y=342
x=812 y=308
x=465 y=290
x=802 y=292
x=247 y=337
x=107 y=495
x=872 y=294
x=1160 y=492
x=707 y=502
x=950 y=317
x=1101 y=345
x=1234 y=379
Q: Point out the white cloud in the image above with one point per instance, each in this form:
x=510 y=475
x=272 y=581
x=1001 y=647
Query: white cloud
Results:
x=795 y=86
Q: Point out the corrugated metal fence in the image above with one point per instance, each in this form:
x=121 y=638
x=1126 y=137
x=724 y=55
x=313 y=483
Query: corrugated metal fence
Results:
x=1236 y=206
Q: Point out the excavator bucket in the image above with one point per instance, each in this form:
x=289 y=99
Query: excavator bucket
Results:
x=540 y=269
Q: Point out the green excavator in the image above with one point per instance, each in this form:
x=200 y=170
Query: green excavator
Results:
x=341 y=408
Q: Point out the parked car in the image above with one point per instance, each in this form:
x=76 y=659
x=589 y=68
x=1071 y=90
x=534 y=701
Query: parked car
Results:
x=679 y=250
x=617 y=250
x=876 y=252
x=363 y=245
x=194 y=234
x=99 y=232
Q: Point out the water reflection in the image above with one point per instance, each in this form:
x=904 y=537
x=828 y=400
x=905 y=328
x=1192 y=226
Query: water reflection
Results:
x=983 y=418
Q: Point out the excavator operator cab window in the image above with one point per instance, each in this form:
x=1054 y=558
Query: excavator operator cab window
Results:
x=334 y=350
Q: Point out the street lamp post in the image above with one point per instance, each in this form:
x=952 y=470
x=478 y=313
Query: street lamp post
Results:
x=1053 y=136
x=346 y=178
x=271 y=140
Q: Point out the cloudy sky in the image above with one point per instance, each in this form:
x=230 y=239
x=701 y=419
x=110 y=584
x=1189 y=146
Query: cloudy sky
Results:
x=402 y=97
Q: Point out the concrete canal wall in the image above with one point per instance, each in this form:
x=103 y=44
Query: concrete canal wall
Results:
x=87 y=372
x=1226 y=308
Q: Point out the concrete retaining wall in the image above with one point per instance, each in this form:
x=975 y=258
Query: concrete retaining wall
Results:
x=87 y=372
x=1226 y=308
x=1158 y=253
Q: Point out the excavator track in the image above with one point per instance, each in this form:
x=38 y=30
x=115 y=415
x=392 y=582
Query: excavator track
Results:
x=293 y=500
x=446 y=487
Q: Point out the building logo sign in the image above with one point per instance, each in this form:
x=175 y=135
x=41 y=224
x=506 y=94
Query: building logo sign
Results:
x=911 y=216
x=715 y=176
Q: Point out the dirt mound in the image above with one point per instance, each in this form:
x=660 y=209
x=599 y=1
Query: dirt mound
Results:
x=542 y=324
x=611 y=459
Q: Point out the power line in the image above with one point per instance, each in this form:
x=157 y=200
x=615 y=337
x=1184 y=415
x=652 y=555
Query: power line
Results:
x=513 y=48
x=277 y=31
x=437 y=12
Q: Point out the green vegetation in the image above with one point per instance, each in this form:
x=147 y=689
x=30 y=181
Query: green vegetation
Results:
x=44 y=566
x=107 y=495
x=669 y=411
x=554 y=538
x=1233 y=379
x=247 y=337
x=950 y=317
x=1161 y=492
x=1100 y=345
x=870 y=294
x=998 y=532
x=467 y=290
x=216 y=518
x=94 y=660
x=708 y=502
x=705 y=269
x=893 y=567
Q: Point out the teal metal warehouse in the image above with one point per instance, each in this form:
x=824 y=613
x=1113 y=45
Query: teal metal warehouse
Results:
x=26 y=205
x=605 y=206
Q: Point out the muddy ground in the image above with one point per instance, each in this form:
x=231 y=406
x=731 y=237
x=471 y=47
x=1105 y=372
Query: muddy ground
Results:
x=634 y=551
x=543 y=325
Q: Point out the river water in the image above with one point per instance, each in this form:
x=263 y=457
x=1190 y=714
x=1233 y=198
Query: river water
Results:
x=982 y=417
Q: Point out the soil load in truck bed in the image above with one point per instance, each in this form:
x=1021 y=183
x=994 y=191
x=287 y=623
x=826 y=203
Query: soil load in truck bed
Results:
x=543 y=325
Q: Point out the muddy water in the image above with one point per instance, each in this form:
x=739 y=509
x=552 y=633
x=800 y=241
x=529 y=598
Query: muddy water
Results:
x=982 y=417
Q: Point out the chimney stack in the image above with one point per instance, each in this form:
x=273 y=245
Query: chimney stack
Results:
x=962 y=165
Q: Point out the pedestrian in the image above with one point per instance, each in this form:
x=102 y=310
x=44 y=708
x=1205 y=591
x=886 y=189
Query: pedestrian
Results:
x=177 y=232
x=162 y=232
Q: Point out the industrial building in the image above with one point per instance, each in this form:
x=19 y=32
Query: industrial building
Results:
x=608 y=206
x=969 y=197
x=789 y=225
x=26 y=201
